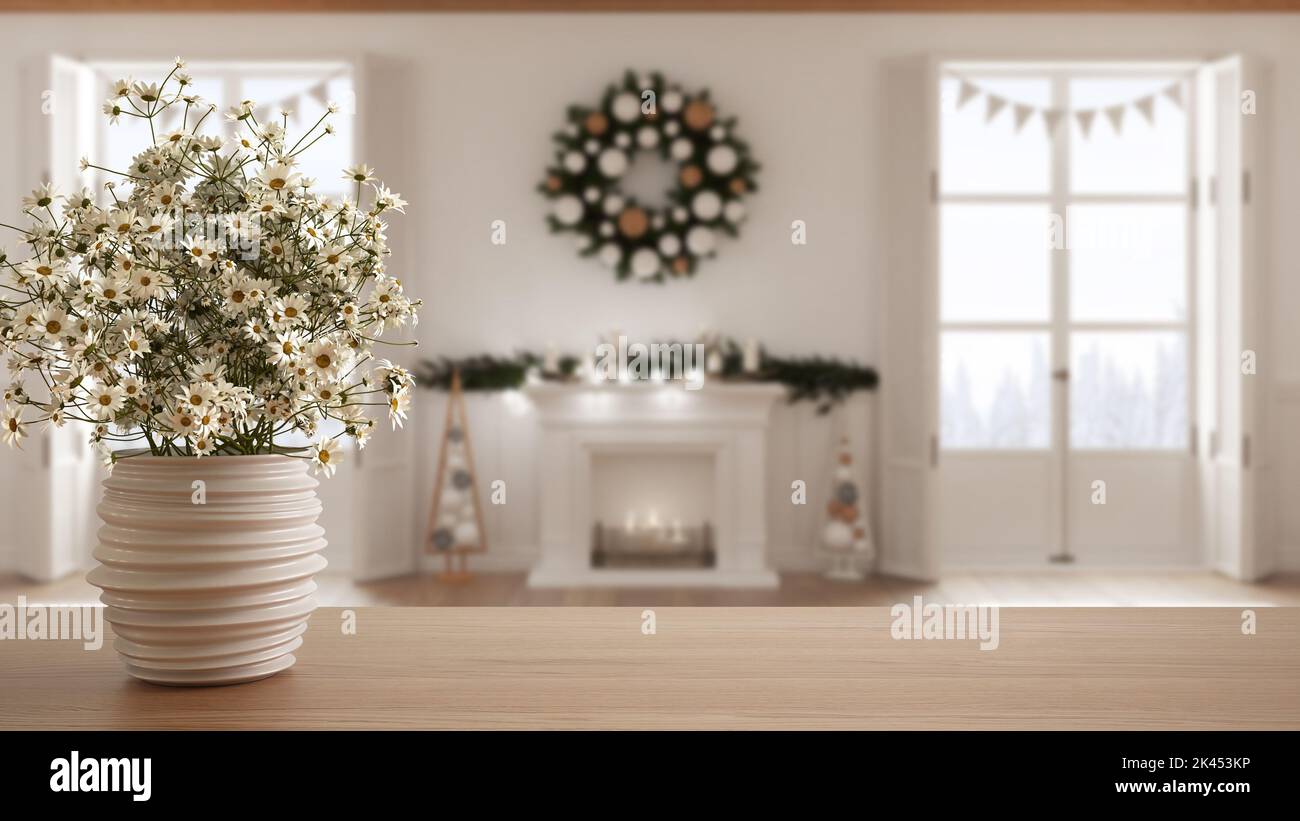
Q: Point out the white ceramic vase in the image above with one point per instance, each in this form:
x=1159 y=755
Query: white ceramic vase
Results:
x=208 y=583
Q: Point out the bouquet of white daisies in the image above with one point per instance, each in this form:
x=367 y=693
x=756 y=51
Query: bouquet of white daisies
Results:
x=211 y=302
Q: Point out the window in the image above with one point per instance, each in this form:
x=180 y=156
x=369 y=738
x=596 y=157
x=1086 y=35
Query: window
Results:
x=1064 y=251
x=303 y=89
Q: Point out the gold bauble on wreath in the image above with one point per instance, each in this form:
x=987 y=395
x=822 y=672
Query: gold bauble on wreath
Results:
x=698 y=115
x=596 y=123
x=633 y=222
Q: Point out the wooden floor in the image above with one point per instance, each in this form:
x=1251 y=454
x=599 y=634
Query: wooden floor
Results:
x=1063 y=588
x=823 y=667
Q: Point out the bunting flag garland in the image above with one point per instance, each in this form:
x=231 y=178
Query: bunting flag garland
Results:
x=1021 y=112
x=1051 y=118
x=995 y=105
x=1085 y=120
x=1147 y=108
x=318 y=91
x=1115 y=114
x=1175 y=94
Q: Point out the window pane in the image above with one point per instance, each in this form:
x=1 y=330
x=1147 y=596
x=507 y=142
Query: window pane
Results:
x=994 y=390
x=994 y=263
x=301 y=94
x=1128 y=390
x=1127 y=262
x=981 y=156
x=119 y=142
x=1145 y=157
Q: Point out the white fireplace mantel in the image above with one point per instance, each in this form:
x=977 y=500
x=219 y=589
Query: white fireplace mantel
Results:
x=579 y=422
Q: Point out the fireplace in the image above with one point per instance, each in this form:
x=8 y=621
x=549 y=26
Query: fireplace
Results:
x=653 y=509
x=647 y=485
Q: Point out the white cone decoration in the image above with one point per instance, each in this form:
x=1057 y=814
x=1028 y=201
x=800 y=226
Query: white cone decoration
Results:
x=456 y=518
x=846 y=535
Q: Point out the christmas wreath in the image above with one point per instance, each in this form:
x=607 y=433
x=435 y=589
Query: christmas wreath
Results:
x=649 y=242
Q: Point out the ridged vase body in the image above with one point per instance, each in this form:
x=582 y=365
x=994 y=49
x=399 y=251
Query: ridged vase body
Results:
x=212 y=583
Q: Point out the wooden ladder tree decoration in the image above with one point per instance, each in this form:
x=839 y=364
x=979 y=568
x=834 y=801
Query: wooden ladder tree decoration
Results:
x=456 y=521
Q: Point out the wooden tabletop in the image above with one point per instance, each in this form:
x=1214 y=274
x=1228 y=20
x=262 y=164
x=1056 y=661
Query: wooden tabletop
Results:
x=1094 y=668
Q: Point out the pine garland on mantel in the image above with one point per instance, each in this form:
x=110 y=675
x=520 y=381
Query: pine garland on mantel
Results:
x=824 y=380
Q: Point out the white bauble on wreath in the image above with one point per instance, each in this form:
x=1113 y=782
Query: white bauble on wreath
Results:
x=567 y=210
x=645 y=263
x=714 y=173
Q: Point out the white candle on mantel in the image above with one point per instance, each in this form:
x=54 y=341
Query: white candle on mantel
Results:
x=753 y=358
x=713 y=363
x=551 y=361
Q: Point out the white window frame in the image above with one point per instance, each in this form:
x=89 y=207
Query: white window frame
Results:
x=1058 y=198
x=232 y=74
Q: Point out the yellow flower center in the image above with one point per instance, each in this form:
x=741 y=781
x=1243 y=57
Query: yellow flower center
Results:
x=53 y=326
x=323 y=361
x=277 y=183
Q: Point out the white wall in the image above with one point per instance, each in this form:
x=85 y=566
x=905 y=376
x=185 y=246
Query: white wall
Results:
x=470 y=101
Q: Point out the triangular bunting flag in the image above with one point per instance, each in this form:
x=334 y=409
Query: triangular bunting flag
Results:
x=1147 y=106
x=995 y=104
x=1116 y=116
x=965 y=93
x=1175 y=93
x=1022 y=113
x=1051 y=119
x=1085 y=118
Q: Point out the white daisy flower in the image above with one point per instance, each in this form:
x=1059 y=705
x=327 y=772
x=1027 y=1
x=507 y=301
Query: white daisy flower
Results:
x=325 y=456
x=12 y=429
x=106 y=400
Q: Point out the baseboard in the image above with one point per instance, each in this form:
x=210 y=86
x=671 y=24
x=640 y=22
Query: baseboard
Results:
x=547 y=577
x=498 y=561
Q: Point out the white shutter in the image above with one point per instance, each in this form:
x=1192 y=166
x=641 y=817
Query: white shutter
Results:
x=909 y=365
x=56 y=501
x=1229 y=324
